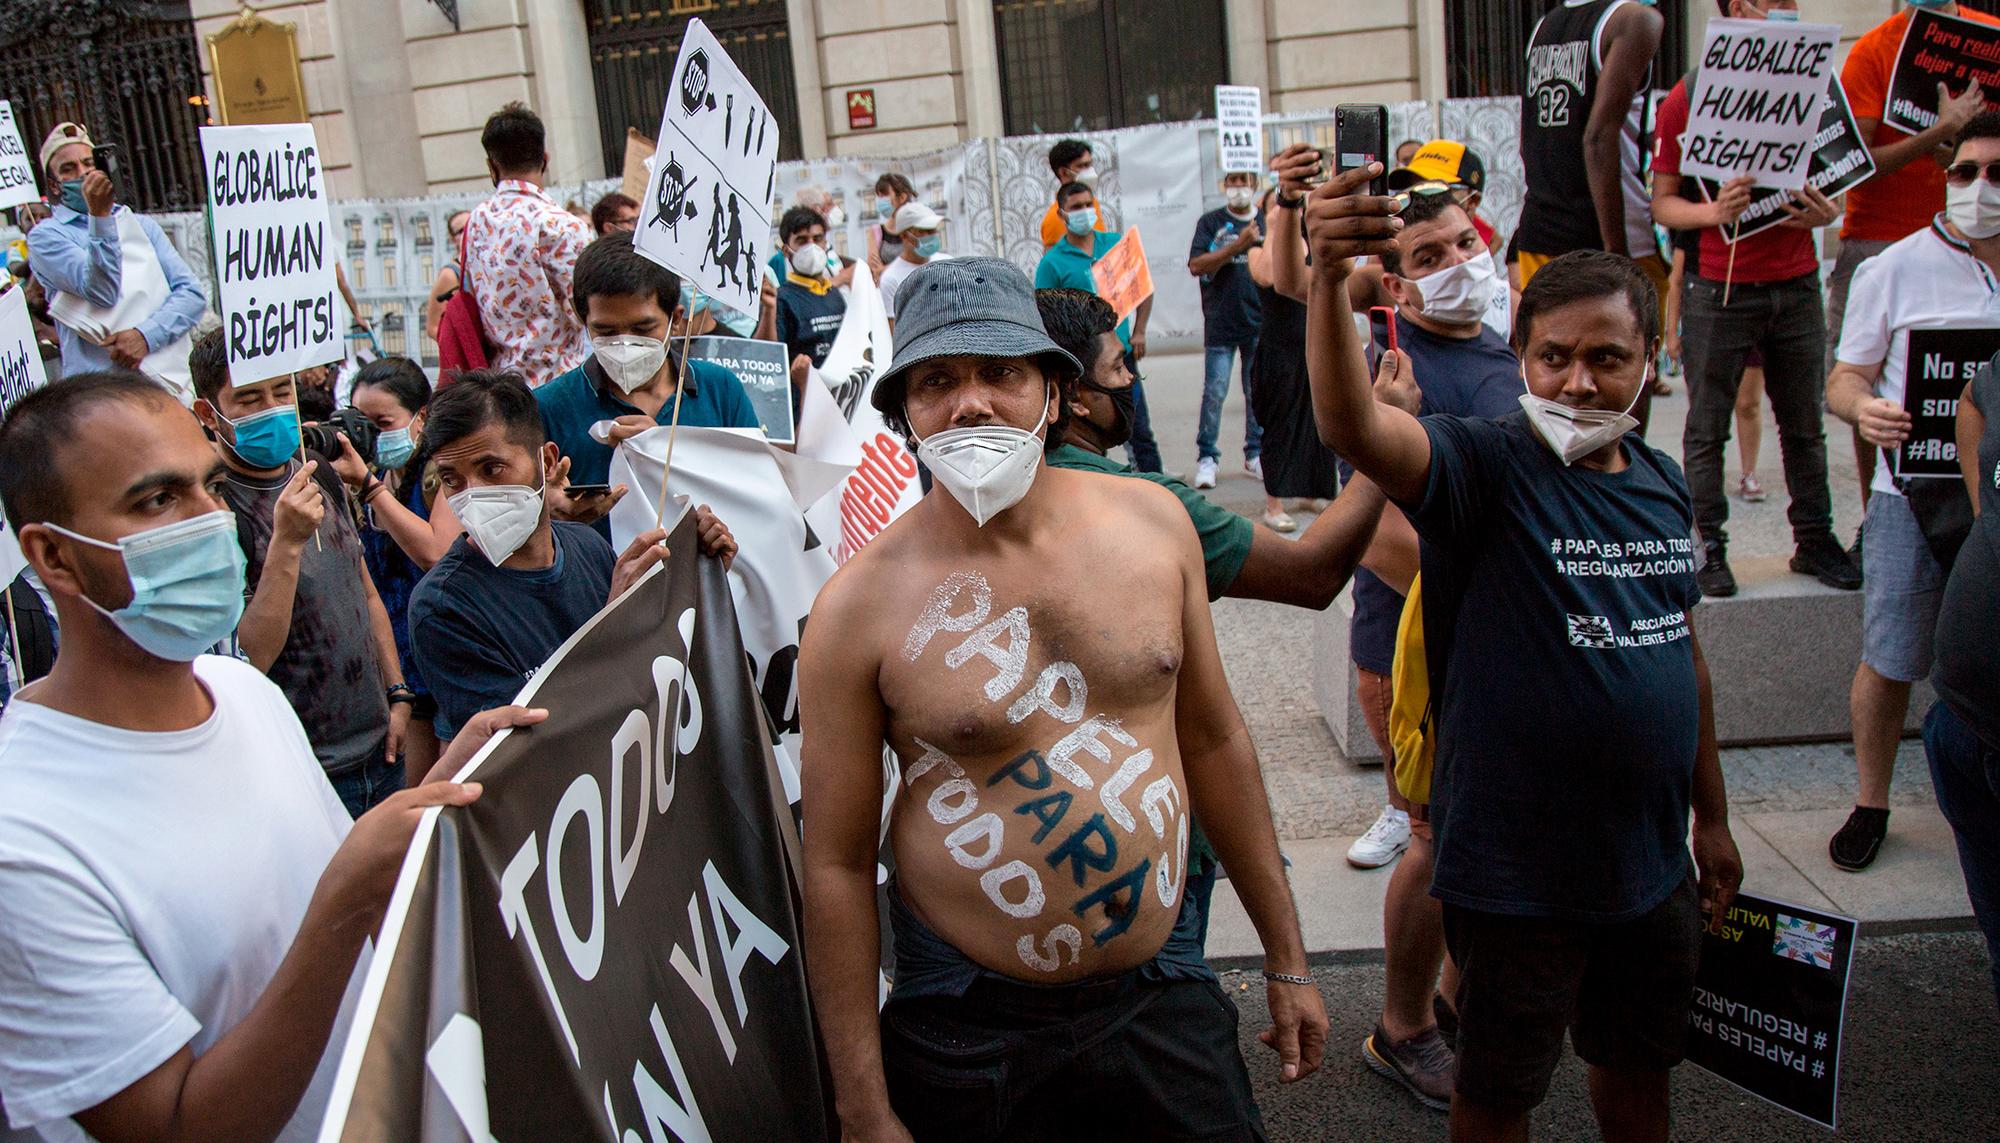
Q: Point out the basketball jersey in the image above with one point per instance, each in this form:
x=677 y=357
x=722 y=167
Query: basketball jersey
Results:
x=1565 y=55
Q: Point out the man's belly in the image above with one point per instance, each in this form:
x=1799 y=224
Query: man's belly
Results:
x=1061 y=862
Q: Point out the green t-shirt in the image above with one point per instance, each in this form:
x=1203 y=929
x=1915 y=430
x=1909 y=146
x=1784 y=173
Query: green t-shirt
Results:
x=1225 y=536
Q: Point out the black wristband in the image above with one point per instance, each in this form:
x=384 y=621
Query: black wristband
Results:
x=400 y=692
x=1288 y=203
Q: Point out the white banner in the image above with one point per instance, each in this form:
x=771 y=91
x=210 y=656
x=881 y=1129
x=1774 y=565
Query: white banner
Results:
x=706 y=212
x=1755 y=106
x=17 y=165
x=884 y=484
x=20 y=355
x=274 y=255
x=1161 y=193
x=1239 y=128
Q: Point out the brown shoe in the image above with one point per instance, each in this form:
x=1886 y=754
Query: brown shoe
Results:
x=1423 y=1064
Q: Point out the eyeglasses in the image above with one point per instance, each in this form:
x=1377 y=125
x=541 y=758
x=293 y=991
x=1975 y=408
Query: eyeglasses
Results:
x=1962 y=174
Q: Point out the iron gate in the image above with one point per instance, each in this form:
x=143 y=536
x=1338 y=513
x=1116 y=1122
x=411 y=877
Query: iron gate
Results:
x=1091 y=65
x=125 y=69
x=632 y=47
x=1486 y=45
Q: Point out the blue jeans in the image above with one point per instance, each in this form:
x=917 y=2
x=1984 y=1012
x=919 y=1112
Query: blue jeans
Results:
x=1215 y=387
x=1142 y=449
x=1965 y=772
x=368 y=784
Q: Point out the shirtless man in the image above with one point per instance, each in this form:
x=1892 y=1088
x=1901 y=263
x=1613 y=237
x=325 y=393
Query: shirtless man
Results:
x=1035 y=645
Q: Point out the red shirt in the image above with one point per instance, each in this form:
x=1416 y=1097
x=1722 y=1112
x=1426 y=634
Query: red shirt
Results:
x=1776 y=254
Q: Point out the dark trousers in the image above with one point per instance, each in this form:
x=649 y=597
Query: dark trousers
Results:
x=1144 y=450
x=1786 y=322
x=1965 y=773
x=369 y=784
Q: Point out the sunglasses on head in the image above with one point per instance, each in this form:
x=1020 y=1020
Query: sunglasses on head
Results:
x=1962 y=174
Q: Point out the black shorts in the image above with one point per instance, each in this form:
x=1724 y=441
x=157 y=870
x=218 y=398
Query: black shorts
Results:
x=1622 y=990
x=1119 y=1058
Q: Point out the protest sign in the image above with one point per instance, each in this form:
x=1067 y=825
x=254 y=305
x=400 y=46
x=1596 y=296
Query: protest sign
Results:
x=605 y=945
x=1940 y=363
x=17 y=163
x=765 y=374
x=1769 y=1003
x=1755 y=106
x=20 y=353
x=1122 y=276
x=1239 y=128
x=1940 y=49
x=884 y=484
x=1840 y=162
x=706 y=213
x=273 y=250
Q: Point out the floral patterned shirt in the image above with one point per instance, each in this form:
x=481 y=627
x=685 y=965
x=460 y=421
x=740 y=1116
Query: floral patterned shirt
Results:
x=520 y=253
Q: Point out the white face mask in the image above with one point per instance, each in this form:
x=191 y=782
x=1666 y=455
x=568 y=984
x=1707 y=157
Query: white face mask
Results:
x=836 y=218
x=986 y=468
x=630 y=360
x=1576 y=433
x=1087 y=176
x=1458 y=294
x=1239 y=199
x=1974 y=208
x=809 y=261
x=499 y=518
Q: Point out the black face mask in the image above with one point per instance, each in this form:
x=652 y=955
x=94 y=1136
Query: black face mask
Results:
x=1121 y=404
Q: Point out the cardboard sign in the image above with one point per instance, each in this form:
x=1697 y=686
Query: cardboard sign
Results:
x=1840 y=162
x=20 y=354
x=1122 y=276
x=1940 y=49
x=273 y=250
x=1239 y=128
x=1770 y=1000
x=1940 y=363
x=17 y=163
x=706 y=213
x=765 y=373
x=1757 y=100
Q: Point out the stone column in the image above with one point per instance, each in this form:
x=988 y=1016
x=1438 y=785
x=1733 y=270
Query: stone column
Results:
x=565 y=97
x=381 y=110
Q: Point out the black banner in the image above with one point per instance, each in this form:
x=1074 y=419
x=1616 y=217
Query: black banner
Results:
x=1940 y=49
x=606 y=945
x=1940 y=363
x=1840 y=162
x=1769 y=1003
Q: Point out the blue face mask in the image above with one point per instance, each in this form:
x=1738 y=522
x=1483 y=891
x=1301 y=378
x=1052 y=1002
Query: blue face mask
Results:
x=1931 y=4
x=1079 y=222
x=187 y=584
x=394 y=447
x=883 y=207
x=928 y=247
x=72 y=196
x=1782 y=15
x=267 y=439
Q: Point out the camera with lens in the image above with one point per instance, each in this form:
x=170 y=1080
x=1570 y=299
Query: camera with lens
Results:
x=351 y=423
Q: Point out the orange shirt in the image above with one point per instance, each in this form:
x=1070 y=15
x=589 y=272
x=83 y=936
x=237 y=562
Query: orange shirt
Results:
x=1053 y=226
x=1895 y=204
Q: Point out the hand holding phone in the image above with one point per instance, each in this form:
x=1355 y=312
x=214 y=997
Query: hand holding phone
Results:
x=1361 y=137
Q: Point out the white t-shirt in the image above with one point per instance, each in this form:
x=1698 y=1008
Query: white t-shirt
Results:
x=893 y=275
x=1926 y=279
x=150 y=883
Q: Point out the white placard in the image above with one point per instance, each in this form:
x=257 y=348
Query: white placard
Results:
x=706 y=213
x=1756 y=103
x=1239 y=126
x=20 y=354
x=273 y=249
x=17 y=166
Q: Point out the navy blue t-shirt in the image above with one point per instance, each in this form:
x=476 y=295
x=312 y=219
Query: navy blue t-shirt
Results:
x=808 y=320
x=1230 y=311
x=480 y=631
x=1462 y=377
x=1565 y=698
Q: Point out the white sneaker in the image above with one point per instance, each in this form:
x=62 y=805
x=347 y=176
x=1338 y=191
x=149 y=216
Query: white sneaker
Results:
x=1255 y=467
x=1280 y=522
x=1389 y=836
x=1204 y=473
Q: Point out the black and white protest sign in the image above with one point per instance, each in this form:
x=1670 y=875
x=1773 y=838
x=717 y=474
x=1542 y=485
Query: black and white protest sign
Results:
x=273 y=250
x=765 y=374
x=1756 y=102
x=1840 y=162
x=1239 y=128
x=17 y=163
x=1769 y=1003
x=605 y=946
x=1940 y=49
x=706 y=213
x=1940 y=364
x=20 y=353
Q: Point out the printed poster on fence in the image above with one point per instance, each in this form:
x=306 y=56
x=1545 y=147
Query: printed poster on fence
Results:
x=1122 y=276
x=1940 y=364
x=1239 y=128
x=273 y=249
x=765 y=374
x=17 y=164
x=1770 y=1001
x=605 y=946
x=1840 y=162
x=1939 y=49
x=706 y=213
x=1756 y=103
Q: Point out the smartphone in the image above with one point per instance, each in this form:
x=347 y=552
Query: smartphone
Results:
x=578 y=491
x=1388 y=318
x=105 y=155
x=1361 y=137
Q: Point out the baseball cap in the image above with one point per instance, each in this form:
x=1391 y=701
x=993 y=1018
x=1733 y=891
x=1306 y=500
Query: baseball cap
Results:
x=1441 y=161
x=62 y=135
x=965 y=307
x=915 y=215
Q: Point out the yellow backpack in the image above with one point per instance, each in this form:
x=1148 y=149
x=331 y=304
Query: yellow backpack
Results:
x=1410 y=714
